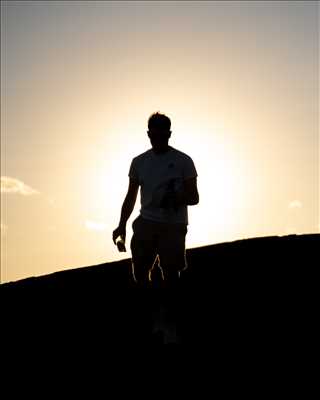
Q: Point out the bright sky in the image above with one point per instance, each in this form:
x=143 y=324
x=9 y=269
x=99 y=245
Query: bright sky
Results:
x=79 y=80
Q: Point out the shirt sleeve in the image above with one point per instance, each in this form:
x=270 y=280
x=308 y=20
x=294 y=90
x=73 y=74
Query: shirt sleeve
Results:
x=133 y=173
x=189 y=169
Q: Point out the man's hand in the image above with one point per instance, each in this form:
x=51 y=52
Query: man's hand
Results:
x=188 y=196
x=120 y=231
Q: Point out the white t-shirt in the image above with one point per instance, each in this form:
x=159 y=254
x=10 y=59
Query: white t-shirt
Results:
x=156 y=174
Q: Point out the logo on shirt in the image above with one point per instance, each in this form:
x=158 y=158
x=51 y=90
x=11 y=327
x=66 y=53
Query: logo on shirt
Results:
x=171 y=165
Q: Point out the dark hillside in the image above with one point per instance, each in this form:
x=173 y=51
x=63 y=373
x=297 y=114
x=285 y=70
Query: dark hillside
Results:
x=249 y=291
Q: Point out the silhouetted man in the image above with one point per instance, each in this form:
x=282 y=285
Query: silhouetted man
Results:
x=168 y=181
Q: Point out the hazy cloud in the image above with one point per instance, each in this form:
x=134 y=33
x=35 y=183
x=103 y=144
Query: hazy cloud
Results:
x=4 y=229
x=95 y=226
x=12 y=185
x=295 y=204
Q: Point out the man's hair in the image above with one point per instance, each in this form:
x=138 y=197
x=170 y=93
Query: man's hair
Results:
x=159 y=121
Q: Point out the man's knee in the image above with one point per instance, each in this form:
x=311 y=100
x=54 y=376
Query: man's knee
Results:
x=140 y=276
x=171 y=267
x=170 y=277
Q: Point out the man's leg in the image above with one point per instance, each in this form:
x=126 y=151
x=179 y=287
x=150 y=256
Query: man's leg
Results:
x=172 y=256
x=143 y=250
x=172 y=253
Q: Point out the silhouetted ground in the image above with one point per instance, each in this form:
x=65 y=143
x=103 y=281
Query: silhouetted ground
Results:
x=253 y=292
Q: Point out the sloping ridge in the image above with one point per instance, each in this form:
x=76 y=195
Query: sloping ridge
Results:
x=243 y=289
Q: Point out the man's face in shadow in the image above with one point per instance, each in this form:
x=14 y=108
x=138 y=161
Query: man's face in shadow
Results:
x=159 y=139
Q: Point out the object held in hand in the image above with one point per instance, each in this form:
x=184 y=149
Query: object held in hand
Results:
x=121 y=245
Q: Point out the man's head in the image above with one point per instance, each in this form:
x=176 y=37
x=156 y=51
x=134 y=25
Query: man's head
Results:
x=159 y=131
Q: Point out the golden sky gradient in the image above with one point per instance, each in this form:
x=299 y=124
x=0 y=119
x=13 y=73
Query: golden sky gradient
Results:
x=239 y=80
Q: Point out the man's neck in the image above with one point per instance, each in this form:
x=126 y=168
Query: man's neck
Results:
x=161 y=151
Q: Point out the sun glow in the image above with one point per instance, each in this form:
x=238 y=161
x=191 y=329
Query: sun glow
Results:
x=222 y=182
